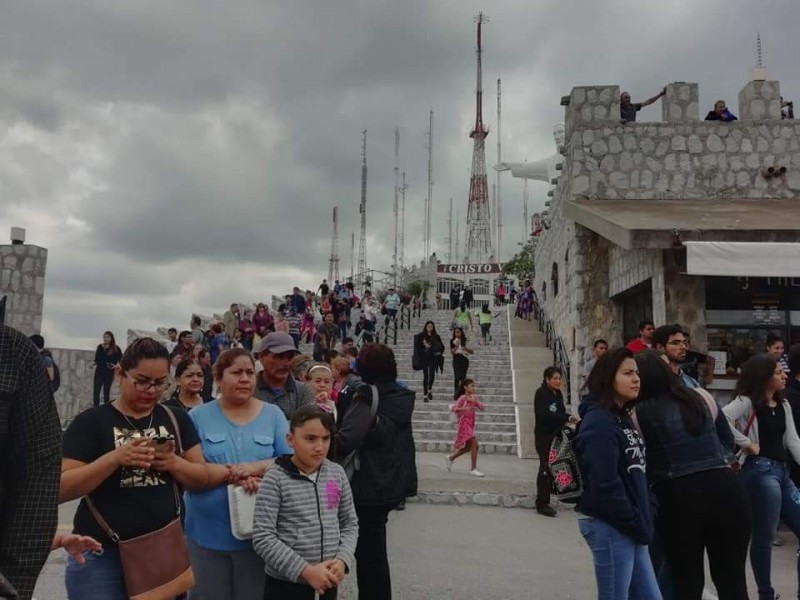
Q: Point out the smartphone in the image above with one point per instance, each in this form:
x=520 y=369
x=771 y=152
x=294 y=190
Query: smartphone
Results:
x=161 y=442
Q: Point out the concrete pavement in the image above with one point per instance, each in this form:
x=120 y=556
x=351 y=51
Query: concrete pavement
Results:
x=475 y=553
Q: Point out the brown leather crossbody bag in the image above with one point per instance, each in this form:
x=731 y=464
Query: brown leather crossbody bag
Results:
x=156 y=565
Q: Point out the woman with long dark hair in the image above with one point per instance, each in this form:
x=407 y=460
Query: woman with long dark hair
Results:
x=387 y=473
x=459 y=351
x=762 y=423
x=106 y=360
x=428 y=348
x=614 y=514
x=702 y=504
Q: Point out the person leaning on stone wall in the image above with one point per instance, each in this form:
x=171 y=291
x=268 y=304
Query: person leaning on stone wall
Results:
x=720 y=113
x=628 y=109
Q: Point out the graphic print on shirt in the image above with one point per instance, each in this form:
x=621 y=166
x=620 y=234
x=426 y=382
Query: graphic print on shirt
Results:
x=136 y=477
x=635 y=450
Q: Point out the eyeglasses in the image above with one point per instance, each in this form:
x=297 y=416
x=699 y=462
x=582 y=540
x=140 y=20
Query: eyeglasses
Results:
x=678 y=343
x=148 y=384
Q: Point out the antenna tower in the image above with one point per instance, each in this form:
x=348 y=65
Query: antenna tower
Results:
x=759 y=53
x=479 y=239
x=450 y=233
x=526 y=226
x=333 y=262
x=499 y=206
x=395 y=265
x=403 y=189
x=361 y=273
x=456 y=246
x=352 y=255
x=429 y=199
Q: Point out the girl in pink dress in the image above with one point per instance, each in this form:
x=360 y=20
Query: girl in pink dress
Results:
x=465 y=408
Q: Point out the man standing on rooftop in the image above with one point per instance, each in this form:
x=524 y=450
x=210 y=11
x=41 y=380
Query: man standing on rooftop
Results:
x=628 y=109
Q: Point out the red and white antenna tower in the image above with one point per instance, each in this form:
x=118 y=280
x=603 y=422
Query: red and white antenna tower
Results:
x=479 y=236
x=333 y=262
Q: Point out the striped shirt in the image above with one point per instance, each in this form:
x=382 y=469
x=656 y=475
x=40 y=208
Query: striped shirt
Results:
x=299 y=521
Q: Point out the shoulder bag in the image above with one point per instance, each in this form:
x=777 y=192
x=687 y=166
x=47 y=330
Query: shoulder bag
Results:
x=352 y=462
x=155 y=565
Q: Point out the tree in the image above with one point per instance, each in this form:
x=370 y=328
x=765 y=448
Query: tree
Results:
x=521 y=264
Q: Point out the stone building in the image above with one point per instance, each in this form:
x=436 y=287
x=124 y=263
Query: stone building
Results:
x=684 y=221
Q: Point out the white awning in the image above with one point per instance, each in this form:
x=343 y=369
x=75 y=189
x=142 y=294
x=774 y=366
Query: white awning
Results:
x=743 y=259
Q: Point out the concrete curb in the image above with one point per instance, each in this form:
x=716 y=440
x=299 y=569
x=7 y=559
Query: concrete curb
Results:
x=475 y=499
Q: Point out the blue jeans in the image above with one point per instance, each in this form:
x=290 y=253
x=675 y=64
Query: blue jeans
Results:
x=621 y=566
x=772 y=496
x=100 y=578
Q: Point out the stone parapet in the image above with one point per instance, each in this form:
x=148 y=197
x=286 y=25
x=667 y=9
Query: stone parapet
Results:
x=707 y=159
x=681 y=103
x=760 y=100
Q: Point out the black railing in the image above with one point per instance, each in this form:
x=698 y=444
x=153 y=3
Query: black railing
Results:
x=561 y=357
x=3 y=309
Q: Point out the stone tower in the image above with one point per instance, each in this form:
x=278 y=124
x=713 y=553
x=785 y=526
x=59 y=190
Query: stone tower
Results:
x=22 y=271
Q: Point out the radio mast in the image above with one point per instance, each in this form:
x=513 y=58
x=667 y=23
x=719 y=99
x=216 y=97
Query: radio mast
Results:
x=429 y=199
x=362 y=208
x=498 y=196
x=479 y=239
x=333 y=262
x=396 y=203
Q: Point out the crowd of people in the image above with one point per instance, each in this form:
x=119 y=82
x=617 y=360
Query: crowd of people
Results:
x=668 y=475
x=227 y=415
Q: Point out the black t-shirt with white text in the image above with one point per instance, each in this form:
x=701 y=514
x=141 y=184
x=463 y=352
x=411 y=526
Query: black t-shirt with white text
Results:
x=133 y=501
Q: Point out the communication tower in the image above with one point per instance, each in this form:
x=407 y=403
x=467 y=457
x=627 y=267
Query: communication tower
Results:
x=333 y=262
x=479 y=238
x=361 y=273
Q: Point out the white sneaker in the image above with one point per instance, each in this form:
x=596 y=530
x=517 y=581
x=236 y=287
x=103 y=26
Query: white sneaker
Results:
x=476 y=473
x=448 y=463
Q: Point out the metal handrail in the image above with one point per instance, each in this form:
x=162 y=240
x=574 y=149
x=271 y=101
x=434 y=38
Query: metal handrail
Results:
x=561 y=358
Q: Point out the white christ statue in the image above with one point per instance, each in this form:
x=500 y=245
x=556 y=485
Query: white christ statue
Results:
x=540 y=170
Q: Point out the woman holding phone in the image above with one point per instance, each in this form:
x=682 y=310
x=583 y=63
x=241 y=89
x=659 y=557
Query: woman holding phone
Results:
x=110 y=457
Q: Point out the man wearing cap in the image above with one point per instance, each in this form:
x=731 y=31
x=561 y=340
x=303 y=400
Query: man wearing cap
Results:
x=275 y=383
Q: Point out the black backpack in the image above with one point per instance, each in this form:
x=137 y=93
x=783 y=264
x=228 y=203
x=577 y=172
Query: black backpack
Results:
x=55 y=383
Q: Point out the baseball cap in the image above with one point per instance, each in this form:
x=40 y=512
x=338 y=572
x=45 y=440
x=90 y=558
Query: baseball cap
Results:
x=276 y=342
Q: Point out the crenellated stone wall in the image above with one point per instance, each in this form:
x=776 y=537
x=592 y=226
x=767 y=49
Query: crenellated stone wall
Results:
x=22 y=272
x=680 y=158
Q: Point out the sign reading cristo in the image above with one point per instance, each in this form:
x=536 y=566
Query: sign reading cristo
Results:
x=479 y=269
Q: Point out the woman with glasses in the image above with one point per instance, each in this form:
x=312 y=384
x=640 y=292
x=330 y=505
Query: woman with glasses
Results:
x=763 y=426
x=110 y=458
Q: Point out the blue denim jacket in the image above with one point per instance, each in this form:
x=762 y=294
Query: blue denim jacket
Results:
x=674 y=452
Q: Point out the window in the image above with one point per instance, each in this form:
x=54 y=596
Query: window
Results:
x=554 y=279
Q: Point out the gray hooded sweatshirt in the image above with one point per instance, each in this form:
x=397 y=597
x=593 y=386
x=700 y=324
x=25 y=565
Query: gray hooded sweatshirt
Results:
x=300 y=522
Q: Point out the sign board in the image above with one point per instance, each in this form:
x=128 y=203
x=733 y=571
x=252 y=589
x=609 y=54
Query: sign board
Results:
x=476 y=269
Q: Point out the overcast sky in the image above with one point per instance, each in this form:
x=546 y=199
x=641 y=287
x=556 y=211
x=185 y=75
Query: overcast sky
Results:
x=176 y=156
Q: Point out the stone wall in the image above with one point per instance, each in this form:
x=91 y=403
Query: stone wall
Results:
x=681 y=158
x=77 y=382
x=22 y=270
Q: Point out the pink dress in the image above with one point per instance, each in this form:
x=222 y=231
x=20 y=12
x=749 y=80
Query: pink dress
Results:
x=466 y=419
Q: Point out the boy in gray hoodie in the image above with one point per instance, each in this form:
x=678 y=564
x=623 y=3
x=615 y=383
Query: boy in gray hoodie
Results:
x=305 y=525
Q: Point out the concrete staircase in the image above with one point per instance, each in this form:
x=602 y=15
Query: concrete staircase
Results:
x=490 y=367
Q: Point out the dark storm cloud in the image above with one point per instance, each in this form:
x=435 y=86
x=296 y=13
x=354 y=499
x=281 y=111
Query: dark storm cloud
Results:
x=176 y=155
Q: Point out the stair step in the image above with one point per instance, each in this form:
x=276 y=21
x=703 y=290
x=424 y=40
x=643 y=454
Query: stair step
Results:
x=449 y=432
x=447 y=447
x=481 y=427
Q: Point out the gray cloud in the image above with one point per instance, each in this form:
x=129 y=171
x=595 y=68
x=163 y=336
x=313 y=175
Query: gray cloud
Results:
x=174 y=156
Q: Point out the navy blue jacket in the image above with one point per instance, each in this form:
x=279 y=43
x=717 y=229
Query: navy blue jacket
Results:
x=612 y=460
x=549 y=410
x=674 y=452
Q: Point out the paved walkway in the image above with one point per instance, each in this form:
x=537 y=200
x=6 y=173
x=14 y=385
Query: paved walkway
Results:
x=505 y=474
x=475 y=553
